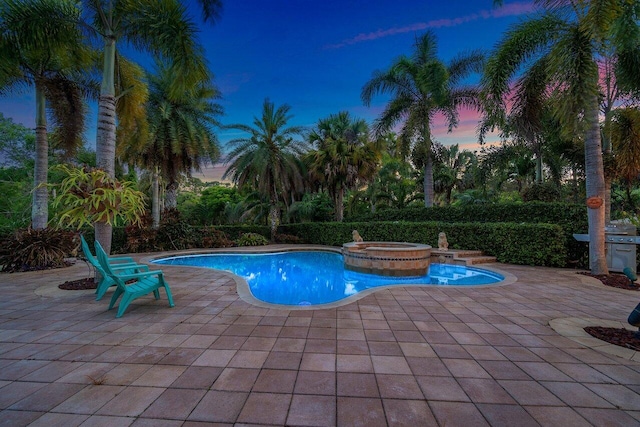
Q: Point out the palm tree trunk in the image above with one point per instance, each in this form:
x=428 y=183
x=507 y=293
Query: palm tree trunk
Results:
x=538 y=168
x=171 y=195
x=40 y=203
x=340 y=204
x=106 y=132
x=155 y=198
x=594 y=171
x=428 y=181
x=274 y=219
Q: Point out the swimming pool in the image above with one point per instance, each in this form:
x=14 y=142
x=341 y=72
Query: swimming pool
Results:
x=318 y=277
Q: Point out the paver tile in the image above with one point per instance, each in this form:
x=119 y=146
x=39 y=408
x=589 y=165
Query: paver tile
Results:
x=408 y=413
x=310 y=410
x=457 y=414
x=219 y=406
x=360 y=412
x=357 y=385
x=131 y=402
x=506 y=415
x=556 y=416
x=275 y=381
x=174 y=404
x=315 y=382
x=265 y=408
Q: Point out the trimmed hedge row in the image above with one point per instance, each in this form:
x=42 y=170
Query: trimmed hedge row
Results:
x=526 y=244
x=571 y=217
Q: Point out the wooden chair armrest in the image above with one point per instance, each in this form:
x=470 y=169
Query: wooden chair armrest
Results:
x=129 y=266
x=140 y=275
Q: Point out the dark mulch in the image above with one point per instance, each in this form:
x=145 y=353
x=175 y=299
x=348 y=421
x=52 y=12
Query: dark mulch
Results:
x=615 y=281
x=618 y=336
x=79 y=285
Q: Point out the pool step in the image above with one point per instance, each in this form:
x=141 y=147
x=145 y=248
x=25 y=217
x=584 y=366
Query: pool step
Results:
x=461 y=257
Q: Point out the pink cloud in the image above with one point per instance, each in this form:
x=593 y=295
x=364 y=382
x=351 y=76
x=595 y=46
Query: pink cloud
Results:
x=507 y=10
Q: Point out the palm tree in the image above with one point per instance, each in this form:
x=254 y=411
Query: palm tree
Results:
x=568 y=39
x=40 y=46
x=180 y=131
x=450 y=168
x=159 y=27
x=422 y=86
x=344 y=156
x=268 y=159
x=393 y=186
x=624 y=129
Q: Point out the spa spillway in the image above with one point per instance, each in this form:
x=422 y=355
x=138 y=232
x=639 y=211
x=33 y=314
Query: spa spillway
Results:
x=396 y=259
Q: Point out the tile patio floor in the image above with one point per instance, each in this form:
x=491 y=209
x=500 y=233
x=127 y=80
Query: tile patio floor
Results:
x=415 y=356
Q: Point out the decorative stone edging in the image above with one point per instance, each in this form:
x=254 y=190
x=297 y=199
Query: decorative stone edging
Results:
x=573 y=328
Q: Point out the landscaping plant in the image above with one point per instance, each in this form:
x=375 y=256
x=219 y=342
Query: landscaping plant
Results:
x=29 y=249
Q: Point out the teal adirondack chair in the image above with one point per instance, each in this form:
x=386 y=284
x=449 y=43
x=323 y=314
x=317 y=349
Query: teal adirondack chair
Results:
x=125 y=264
x=143 y=283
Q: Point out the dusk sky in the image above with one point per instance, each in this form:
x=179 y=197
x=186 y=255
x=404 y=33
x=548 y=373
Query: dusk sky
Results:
x=315 y=55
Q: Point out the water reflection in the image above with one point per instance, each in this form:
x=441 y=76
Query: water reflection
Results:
x=308 y=278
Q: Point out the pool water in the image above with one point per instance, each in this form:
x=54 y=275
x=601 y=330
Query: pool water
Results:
x=315 y=277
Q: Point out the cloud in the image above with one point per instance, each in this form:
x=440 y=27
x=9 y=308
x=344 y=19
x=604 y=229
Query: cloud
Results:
x=507 y=10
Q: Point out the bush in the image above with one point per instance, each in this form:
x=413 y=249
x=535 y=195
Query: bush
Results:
x=252 y=239
x=571 y=217
x=173 y=233
x=288 y=239
x=210 y=237
x=235 y=231
x=545 y=192
x=527 y=244
x=28 y=249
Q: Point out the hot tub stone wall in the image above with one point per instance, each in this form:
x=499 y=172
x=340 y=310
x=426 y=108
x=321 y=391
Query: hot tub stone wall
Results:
x=387 y=258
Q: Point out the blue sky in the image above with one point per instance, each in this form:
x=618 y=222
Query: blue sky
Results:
x=315 y=55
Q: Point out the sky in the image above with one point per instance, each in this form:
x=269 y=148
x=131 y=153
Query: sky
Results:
x=315 y=55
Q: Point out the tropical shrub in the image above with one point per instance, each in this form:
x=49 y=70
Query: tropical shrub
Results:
x=29 y=249
x=235 y=231
x=210 y=237
x=86 y=196
x=173 y=233
x=252 y=239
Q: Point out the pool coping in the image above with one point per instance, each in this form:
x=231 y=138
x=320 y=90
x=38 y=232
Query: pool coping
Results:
x=245 y=294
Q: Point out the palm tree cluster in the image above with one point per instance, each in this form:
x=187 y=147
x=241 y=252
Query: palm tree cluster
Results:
x=544 y=88
x=68 y=51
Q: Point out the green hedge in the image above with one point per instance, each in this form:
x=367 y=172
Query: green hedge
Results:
x=566 y=215
x=571 y=217
x=119 y=243
x=527 y=244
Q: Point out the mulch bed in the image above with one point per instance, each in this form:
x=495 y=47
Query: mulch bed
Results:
x=617 y=336
x=615 y=281
x=79 y=285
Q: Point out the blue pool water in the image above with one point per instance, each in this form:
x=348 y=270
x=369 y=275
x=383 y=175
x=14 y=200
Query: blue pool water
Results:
x=311 y=278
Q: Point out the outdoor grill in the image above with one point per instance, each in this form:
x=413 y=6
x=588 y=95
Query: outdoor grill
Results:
x=620 y=245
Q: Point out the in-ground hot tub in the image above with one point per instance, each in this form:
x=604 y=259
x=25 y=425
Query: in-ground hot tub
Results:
x=387 y=258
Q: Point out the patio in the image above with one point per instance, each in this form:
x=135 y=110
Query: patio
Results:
x=403 y=356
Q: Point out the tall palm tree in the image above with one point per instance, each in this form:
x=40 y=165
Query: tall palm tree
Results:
x=344 y=156
x=268 y=159
x=421 y=86
x=160 y=27
x=41 y=46
x=569 y=38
